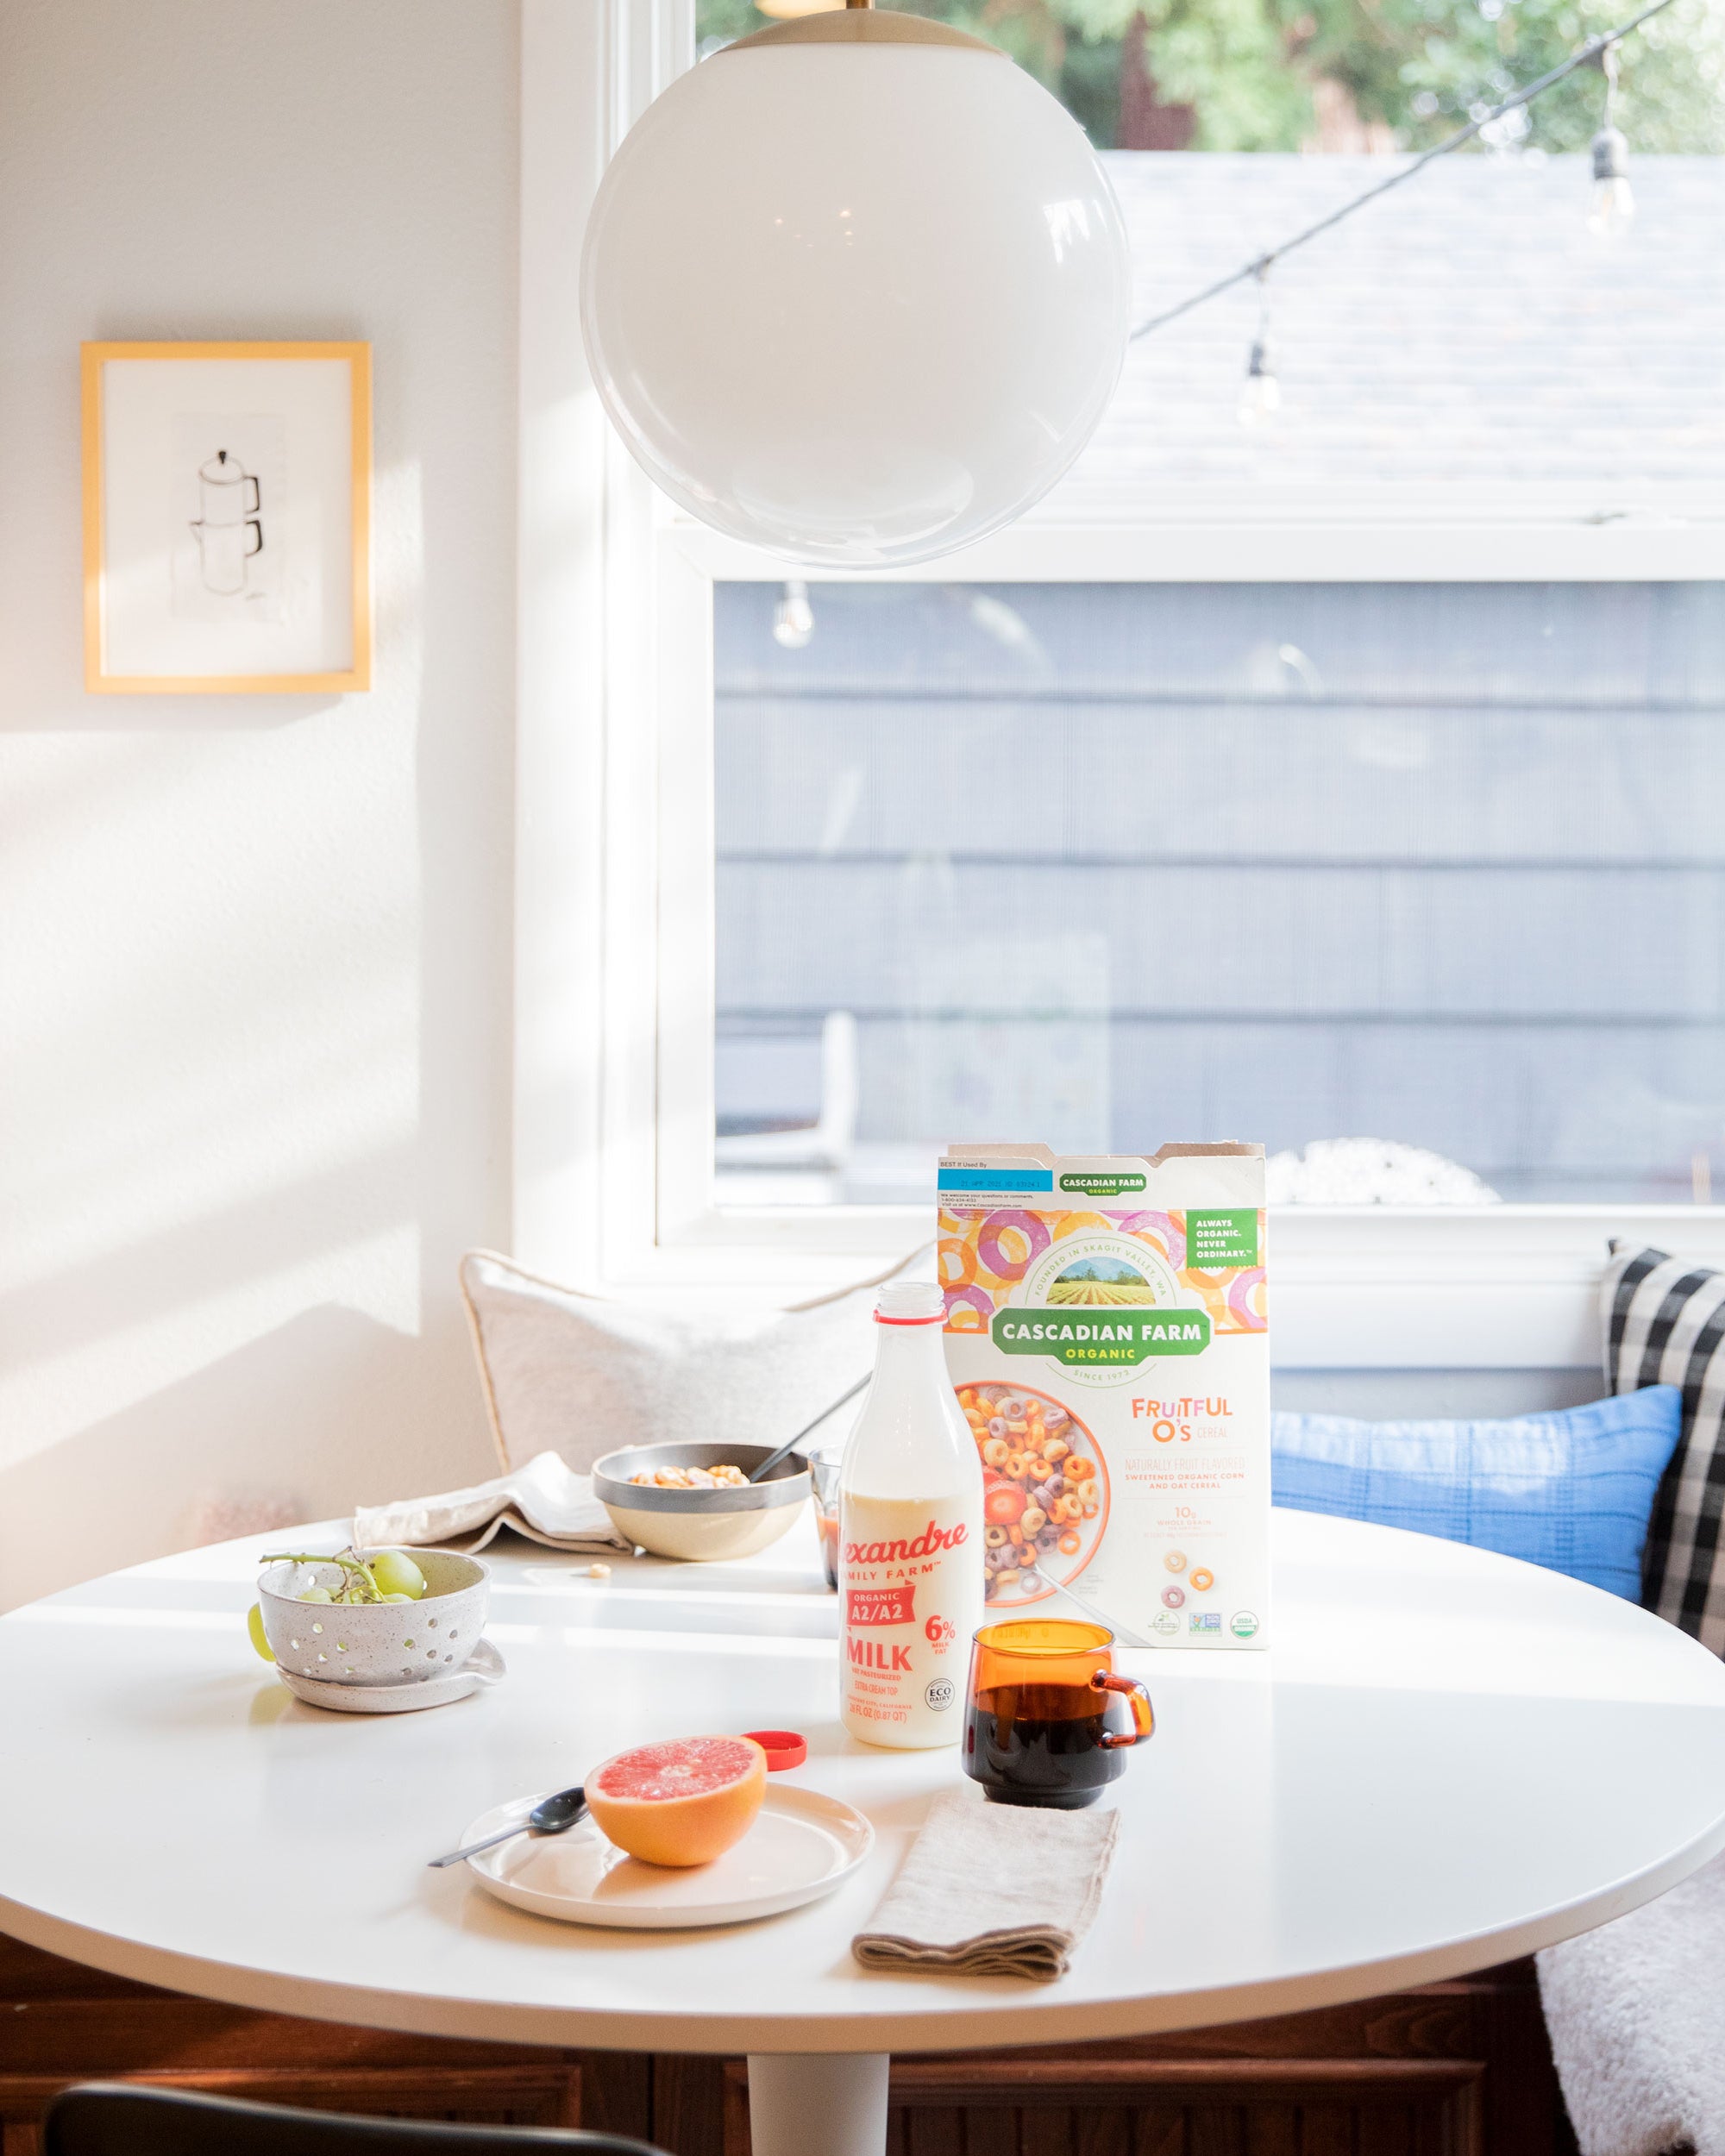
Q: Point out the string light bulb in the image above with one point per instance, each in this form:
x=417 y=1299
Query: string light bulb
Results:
x=1260 y=396
x=794 y=617
x=1612 y=204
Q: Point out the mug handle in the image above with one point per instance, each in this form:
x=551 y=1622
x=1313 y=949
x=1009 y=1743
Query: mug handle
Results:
x=1144 y=1715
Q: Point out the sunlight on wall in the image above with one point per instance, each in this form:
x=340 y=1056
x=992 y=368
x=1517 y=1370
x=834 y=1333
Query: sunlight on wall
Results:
x=253 y=952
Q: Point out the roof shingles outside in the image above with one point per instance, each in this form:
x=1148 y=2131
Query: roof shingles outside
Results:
x=1467 y=335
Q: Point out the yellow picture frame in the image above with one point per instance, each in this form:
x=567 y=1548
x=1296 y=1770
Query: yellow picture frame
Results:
x=97 y=678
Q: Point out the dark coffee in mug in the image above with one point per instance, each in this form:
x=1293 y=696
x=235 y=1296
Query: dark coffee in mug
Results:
x=1047 y=1720
x=1041 y=1743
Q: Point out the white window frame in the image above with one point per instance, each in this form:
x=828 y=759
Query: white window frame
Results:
x=614 y=1023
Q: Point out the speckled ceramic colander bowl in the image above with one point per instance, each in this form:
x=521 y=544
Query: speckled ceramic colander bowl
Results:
x=377 y=1643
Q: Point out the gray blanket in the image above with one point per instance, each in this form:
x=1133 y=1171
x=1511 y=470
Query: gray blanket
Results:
x=1636 y=2013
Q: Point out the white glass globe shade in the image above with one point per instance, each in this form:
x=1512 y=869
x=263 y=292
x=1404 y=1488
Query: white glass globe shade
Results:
x=857 y=303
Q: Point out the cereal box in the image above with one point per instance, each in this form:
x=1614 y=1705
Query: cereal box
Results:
x=1107 y=1335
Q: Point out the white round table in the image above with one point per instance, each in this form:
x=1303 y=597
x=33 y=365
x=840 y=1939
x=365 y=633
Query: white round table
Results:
x=1446 y=1759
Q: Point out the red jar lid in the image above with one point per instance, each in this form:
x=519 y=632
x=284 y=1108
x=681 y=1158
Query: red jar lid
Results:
x=783 y=1747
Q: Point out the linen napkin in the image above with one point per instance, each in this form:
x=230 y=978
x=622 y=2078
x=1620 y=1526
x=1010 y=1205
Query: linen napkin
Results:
x=993 y=1890
x=545 y=1500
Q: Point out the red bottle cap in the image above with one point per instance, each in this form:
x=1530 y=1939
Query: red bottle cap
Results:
x=783 y=1747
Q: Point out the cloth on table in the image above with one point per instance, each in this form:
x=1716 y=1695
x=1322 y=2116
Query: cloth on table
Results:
x=545 y=1500
x=993 y=1890
x=1634 y=2014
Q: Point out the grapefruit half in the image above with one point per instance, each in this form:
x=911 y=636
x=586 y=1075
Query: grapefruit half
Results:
x=679 y=1803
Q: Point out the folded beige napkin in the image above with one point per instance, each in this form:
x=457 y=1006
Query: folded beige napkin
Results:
x=545 y=1500
x=993 y=1890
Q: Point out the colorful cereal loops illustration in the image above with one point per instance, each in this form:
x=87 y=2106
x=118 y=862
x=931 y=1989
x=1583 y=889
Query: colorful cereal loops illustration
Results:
x=969 y=1309
x=993 y=1251
x=1010 y=1242
x=1163 y=1232
x=1044 y=1489
x=1202 y=1580
x=1246 y=1298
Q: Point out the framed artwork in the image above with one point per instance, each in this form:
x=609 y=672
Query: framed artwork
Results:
x=227 y=517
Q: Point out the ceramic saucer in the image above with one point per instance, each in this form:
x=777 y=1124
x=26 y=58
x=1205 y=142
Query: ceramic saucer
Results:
x=802 y=1846
x=485 y=1665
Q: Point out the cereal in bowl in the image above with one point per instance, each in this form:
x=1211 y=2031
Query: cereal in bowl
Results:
x=725 y=1477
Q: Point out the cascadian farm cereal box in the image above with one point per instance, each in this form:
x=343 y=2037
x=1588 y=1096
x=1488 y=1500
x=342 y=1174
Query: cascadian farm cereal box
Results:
x=1107 y=1336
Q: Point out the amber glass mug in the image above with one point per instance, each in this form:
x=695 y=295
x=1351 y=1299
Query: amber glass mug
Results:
x=1047 y=1719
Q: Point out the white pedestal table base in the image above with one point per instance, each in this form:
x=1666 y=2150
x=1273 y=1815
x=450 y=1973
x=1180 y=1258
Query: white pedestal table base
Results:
x=831 y=2104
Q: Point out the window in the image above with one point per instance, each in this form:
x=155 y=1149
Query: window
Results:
x=1104 y=864
x=1414 y=871
x=1423 y=685
x=1335 y=76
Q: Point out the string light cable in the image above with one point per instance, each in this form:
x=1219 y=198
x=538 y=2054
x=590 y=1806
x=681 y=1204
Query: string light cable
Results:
x=1610 y=159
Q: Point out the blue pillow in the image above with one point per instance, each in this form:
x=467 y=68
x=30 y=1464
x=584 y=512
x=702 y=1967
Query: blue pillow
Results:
x=1571 y=1491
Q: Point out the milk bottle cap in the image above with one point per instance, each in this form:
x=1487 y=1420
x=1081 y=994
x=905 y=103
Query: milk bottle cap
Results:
x=910 y=1302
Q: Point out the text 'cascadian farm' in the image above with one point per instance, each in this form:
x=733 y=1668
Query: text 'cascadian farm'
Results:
x=1129 y=1329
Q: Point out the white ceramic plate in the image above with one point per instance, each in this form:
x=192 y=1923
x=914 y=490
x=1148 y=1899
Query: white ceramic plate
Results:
x=800 y=1847
x=485 y=1665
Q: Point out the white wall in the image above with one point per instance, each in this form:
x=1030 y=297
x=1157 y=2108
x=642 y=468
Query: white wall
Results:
x=253 y=951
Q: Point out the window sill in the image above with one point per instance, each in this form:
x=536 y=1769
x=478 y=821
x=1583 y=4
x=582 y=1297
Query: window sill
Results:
x=1352 y=1288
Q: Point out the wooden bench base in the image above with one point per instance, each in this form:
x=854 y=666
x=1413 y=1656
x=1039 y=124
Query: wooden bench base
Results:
x=1457 y=2069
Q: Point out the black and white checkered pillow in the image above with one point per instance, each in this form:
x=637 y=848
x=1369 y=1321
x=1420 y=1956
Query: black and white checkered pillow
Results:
x=1665 y=1324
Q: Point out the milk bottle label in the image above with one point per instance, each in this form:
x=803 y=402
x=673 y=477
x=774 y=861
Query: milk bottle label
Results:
x=909 y=1584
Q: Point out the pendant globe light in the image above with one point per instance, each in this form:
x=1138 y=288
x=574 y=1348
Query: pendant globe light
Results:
x=855 y=288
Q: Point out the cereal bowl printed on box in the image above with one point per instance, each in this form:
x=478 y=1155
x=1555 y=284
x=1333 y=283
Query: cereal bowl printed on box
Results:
x=1045 y=1489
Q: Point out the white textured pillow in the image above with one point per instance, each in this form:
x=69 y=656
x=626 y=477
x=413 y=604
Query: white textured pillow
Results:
x=581 y=1374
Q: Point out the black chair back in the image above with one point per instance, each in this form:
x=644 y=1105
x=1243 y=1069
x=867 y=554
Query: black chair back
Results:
x=111 y=2118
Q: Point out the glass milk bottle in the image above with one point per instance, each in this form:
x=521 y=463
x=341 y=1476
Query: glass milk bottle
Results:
x=909 y=1537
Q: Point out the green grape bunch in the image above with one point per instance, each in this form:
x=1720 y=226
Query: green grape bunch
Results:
x=390 y=1576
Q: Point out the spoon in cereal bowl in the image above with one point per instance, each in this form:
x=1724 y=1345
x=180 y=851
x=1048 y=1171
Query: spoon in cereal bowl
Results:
x=760 y=1474
x=1108 y=1624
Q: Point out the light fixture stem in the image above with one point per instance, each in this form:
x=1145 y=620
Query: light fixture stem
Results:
x=859 y=4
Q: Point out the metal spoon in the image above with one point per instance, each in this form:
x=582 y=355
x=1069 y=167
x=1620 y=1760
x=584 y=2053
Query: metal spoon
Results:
x=758 y=1474
x=553 y=1815
x=1108 y=1624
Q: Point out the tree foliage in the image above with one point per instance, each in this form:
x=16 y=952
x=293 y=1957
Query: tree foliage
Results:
x=1253 y=74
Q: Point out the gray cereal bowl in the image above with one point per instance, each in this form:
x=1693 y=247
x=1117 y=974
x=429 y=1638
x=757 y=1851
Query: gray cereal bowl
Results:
x=377 y=1643
x=701 y=1526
